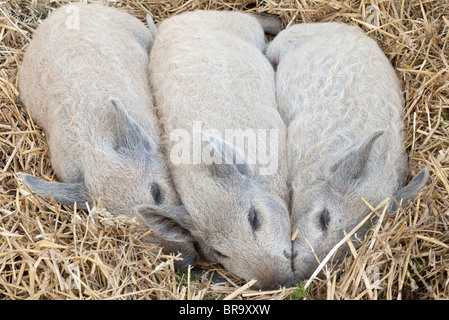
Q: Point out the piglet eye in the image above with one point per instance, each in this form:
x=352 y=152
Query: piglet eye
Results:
x=219 y=254
x=324 y=219
x=254 y=219
x=157 y=194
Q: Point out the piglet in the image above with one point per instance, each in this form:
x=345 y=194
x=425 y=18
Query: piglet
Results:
x=214 y=94
x=84 y=79
x=343 y=106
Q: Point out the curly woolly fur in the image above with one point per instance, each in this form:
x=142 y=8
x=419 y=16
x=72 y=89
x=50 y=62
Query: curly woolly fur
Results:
x=344 y=106
x=403 y=255
x=208 y=67
x=84 y=79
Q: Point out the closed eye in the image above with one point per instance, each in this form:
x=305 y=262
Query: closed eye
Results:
x=220 y=255
x=254 y=219
x=324 y=219
x=157 y=194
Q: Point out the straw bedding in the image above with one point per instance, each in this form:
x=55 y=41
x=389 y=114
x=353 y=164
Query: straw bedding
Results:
x=49 y=251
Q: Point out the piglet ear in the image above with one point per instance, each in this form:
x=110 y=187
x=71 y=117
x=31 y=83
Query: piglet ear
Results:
x=409 y=191
x=128 y=133
x=227 y=158
x=66 y=193
x=353 y=164
x=151 y=25
x=271 y=24
x=171 y=223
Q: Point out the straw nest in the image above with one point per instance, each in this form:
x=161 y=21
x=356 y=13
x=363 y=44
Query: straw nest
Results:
x=49 y=251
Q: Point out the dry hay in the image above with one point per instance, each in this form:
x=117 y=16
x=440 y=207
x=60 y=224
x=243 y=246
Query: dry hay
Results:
x=49 y=251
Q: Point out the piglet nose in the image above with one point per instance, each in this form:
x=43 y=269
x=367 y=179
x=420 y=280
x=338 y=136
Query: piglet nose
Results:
x=274 y=284
x=290 y=282
x=266 y=285
x=275 y=281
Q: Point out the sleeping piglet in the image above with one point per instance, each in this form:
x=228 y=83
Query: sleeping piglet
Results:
x=214 y=94
x=84 y=79
x=343 y=106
